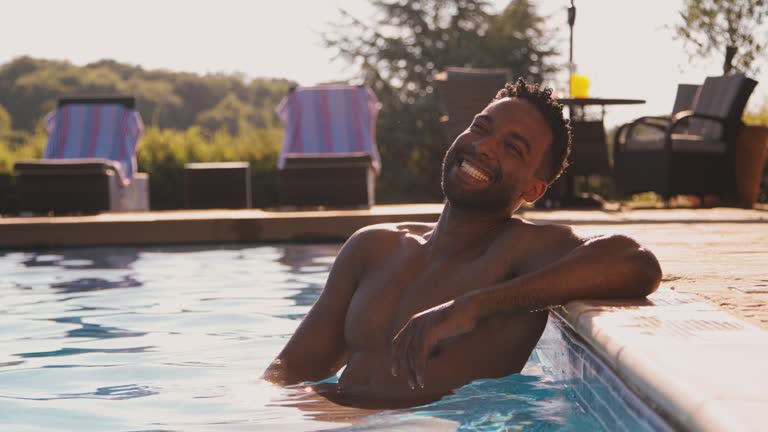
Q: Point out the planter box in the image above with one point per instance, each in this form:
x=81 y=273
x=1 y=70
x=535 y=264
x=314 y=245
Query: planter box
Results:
x=749 y=159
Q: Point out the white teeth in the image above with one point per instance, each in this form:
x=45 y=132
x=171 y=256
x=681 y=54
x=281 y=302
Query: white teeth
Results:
x=474 y=172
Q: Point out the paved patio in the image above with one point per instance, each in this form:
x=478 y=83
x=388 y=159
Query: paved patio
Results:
x=719 y=256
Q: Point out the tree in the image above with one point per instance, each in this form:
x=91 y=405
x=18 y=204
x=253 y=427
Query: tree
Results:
x=230 y=114
x=29 y=88
x=731 y=27
x=5 y=120
x=405 y=46
x=517 y=39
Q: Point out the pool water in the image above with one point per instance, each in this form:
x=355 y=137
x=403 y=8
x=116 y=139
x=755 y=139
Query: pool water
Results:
x=175 y=338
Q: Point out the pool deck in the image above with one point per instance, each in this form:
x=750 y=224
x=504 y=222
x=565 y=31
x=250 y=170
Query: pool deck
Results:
x=696 y=350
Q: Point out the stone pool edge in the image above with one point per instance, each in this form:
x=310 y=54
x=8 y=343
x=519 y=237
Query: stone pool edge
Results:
x=698 y=366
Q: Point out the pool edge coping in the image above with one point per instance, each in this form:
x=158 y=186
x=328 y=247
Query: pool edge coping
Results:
x=255 y=225
x=631 y=338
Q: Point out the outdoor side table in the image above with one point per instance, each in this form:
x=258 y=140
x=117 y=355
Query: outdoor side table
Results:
x=217 y=185
x=589 y=155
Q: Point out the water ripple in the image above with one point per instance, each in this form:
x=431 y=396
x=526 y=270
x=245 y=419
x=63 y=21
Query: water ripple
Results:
x=76 y=351
x=129 y=391
x=95 y=284
x=119 y=392
x=95 y=331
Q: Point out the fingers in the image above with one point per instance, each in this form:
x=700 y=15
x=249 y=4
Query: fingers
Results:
x=404 y=356
x=410 y=350
x=411 y=356
x=397 y=350
x=420 y=361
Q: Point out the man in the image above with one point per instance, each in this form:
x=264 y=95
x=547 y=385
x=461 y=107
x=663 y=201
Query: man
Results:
x=416 y=310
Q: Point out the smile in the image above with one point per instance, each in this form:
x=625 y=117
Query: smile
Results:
x=474 y=172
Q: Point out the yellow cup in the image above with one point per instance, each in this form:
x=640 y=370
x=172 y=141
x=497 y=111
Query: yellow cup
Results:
x=579 y=86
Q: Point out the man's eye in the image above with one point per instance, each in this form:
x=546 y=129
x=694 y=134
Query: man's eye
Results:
x=513 y=147
x=477 y=127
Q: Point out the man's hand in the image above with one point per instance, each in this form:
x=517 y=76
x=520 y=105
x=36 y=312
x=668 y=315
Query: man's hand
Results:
x=423 y=332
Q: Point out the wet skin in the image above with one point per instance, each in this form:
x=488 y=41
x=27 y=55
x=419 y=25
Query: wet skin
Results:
x=416 y=310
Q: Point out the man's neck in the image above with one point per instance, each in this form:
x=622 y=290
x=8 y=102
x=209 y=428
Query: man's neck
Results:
x=459 y=229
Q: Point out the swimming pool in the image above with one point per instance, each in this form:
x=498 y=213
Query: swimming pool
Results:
x=175 y=338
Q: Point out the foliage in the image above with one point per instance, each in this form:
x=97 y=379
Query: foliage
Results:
x=164 y=152
x=401 y=50
x=230 y=113
x=29 y=88
x=20 y=145
x=731 y=27
x=518 y=39
x=759 y=117
x=5 y=120
x=15 y=145
x=260 y=147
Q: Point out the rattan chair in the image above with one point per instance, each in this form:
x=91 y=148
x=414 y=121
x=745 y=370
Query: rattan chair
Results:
x=464 y=92
x=692 y=152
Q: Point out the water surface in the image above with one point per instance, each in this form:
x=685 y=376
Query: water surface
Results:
x=175 y=338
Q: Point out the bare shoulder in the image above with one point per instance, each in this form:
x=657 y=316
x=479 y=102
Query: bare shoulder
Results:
x=392 y=231
x=537 y=245
x=532 y=245
x=538 y=232
x=374 y=240
x=566 y=236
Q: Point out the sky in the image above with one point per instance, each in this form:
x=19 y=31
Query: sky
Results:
x=625 y=47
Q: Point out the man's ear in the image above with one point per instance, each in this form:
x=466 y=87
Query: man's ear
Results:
x=536 y=188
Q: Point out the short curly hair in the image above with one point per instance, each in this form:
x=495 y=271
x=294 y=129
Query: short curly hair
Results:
x=552 y=111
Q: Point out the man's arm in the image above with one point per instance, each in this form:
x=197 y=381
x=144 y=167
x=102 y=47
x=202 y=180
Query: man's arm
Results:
x=603 y=267
x=317 y=349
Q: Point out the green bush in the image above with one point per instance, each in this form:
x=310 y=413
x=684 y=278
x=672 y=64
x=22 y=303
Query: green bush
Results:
x=19 y=145
x=15 y=145
x=758 y=118
x=164 y=152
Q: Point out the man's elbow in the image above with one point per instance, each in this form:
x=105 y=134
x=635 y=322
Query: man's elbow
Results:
x=649 y=272
x=645 y=271
x=278 y=374
x=273 y=375
x=642 y=268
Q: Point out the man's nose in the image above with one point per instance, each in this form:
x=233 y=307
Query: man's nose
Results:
x=484 y=147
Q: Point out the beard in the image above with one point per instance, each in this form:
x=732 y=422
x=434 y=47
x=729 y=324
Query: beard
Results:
x=494 y=197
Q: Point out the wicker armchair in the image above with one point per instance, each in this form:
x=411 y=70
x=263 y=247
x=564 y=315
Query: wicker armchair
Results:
x=693 y=150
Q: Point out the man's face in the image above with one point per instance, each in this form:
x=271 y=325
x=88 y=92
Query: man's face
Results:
x=494 y=163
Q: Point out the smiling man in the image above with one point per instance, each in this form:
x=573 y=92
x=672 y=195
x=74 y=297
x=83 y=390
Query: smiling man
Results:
x=416 y=310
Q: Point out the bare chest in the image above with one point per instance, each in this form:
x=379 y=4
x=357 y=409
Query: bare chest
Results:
x=389 y=295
